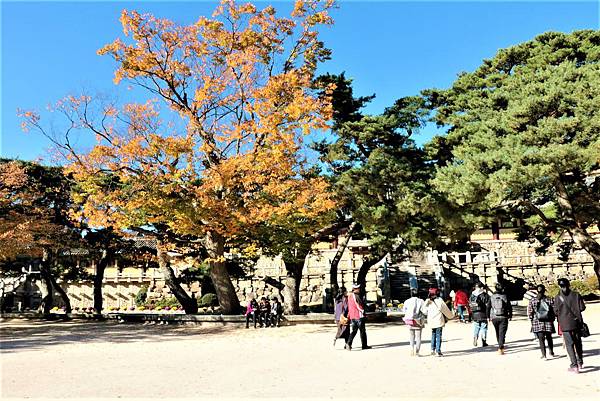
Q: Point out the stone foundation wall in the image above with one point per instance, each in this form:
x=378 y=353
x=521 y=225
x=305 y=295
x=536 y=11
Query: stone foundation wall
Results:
x=120 y=289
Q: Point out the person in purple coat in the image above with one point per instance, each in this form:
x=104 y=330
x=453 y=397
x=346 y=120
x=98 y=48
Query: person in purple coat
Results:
x=341 y=309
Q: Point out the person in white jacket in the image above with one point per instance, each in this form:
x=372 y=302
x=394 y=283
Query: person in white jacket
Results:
x=437 y=313
x=414 y=320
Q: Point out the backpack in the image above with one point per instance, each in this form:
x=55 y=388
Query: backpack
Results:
x=544 y=312
x=475 y=303
x=498 y=306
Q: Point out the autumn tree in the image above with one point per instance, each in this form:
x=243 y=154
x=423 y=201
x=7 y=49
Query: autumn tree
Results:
x=523 y=136
x=239 y=83
x=34 y=220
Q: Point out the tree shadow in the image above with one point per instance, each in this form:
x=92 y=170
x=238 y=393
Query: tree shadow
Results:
x=44 y=334
x=390 y=345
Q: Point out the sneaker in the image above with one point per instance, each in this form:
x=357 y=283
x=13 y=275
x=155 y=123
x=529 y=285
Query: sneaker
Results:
x=501 y=351
x=573 y=370
x=432 y=352
x=580 y=365
x=552 y=355
x=543 y=358
x=475 y=342
x=345 y=346
x=483 y=343
x=367 y=347
x=439 y=354
x=412 y=352
x=348 y=347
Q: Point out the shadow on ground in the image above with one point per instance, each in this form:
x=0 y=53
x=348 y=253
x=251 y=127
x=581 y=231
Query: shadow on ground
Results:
x=40 y=334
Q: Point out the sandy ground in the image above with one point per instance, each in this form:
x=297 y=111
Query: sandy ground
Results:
x=109 y=360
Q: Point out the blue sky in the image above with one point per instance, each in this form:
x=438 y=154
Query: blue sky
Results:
x=392 y=49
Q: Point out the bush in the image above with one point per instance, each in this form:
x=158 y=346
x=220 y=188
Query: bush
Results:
x=208 y=300
x=142 y=295
x=167 y=303
x=584 y=287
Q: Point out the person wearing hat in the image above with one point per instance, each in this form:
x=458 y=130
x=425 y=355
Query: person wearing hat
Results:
x=568 y=306
x=437 y=313
x=540 y=312
x=356 y=314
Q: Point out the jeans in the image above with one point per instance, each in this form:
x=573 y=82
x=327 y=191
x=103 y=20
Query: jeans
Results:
x=544 y=336
x=250 y=316
x=501 y=326
x=461 y=312
x=358 y=325
x=436 y=340
x=415 y=339
x=480 y=327
x=574 y=347
x=264 y=319
x=275 y=319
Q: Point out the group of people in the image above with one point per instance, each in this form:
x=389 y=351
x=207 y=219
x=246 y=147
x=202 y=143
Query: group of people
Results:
x=264 y=313
x=483 y=308
x=350 y=317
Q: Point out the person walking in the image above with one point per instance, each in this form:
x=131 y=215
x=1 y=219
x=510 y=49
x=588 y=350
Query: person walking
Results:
x=499 y=310
x=541 y=313
x=414 y=320
x=568 y=306
x=478 y=304
x=461 y=300
x=341 y=316
x=437 y=313
x=356 y=314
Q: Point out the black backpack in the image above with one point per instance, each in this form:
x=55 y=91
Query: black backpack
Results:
x=544 y=312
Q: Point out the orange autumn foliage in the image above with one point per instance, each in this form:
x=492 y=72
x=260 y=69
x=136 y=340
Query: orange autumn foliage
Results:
x=28 y=222
x=240 y=83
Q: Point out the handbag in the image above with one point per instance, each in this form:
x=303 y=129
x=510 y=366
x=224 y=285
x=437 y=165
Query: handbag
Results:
x=343 y=320
x=585 y=330
x=416 y=320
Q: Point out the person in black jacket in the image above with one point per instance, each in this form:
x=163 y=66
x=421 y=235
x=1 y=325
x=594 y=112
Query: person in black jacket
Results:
x=276 y=312
x=499 y=310
x=264 y=311
x=478 y=304
x=568 y=306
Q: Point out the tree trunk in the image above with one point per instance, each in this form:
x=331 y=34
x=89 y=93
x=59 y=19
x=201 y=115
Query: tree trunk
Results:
x=48 y=300
x=584 y=240
x=52 y=284
x=188 y=303
x=361 y=278
x=333 y=269
x=228 y=299
x=98 y=278
x=291 y=291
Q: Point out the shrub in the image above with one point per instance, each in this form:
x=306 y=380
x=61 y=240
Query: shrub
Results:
x=584 y=287
x=142 y=295
x=208 y=300
x=164 y=303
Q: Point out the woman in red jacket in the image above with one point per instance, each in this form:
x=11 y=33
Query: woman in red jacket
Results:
x=461 y=301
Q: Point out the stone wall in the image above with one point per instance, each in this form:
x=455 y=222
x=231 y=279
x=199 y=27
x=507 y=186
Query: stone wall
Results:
x=120 y=287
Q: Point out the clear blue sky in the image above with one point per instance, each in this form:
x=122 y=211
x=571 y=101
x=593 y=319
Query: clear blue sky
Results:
x=392 y=49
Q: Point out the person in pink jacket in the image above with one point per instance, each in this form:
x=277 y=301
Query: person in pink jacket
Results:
x=356 y=314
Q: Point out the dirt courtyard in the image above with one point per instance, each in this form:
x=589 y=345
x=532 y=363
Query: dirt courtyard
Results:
x=108 y=360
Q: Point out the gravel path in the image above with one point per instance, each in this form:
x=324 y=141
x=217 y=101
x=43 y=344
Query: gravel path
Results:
x=108 y=360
